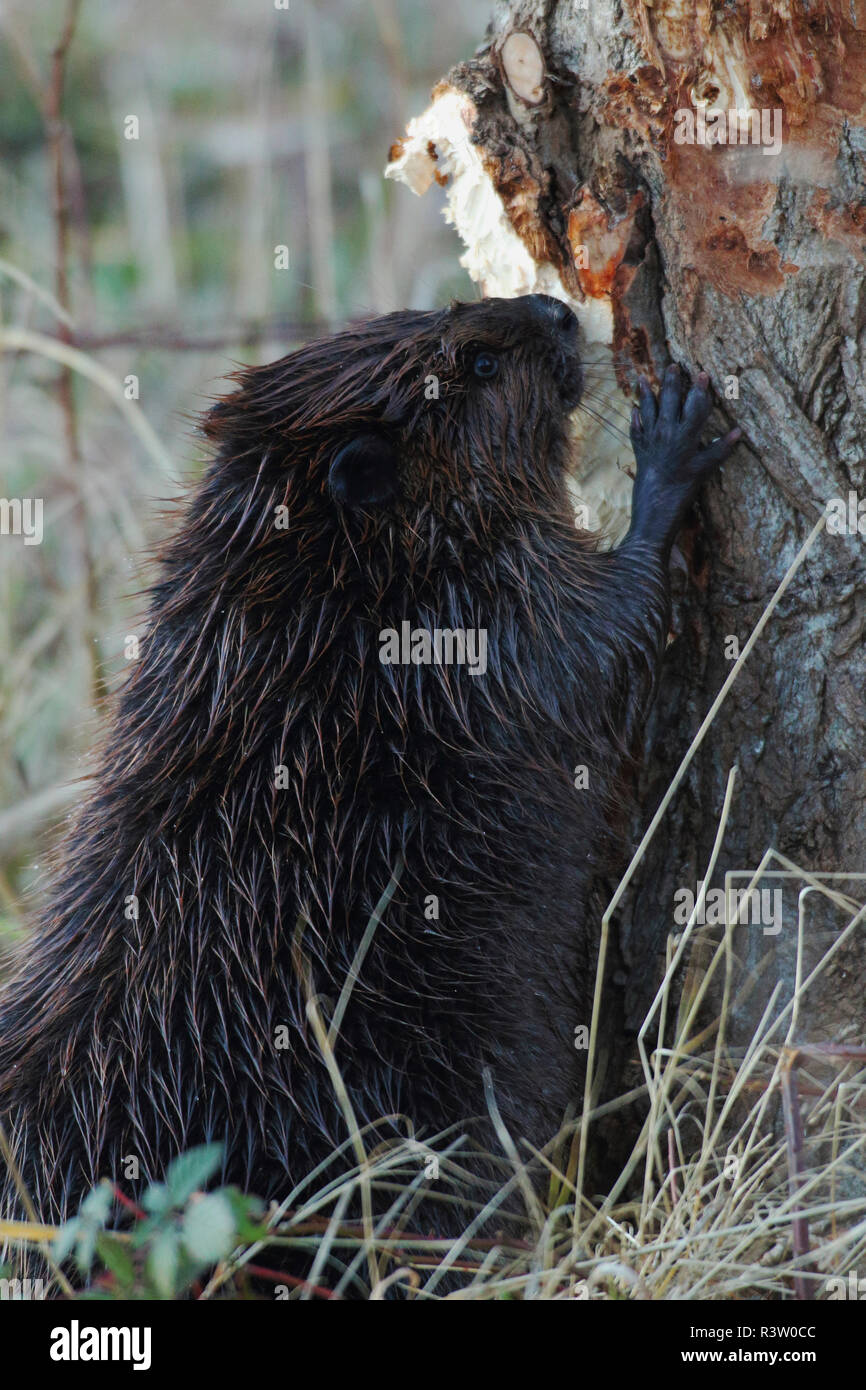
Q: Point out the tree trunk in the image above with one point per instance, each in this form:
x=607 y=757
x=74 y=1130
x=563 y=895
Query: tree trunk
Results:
x=583 y=155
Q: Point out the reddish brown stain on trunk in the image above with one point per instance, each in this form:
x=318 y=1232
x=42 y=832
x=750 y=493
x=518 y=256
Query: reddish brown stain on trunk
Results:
x=808 y=64
x=602 y=241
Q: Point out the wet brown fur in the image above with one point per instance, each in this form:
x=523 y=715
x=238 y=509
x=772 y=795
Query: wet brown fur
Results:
x=143 y=1037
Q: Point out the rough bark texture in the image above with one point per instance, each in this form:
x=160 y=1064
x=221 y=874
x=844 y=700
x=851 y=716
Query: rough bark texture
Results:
x=750 y=266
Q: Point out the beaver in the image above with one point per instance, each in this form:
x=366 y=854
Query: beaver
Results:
x=287 y=753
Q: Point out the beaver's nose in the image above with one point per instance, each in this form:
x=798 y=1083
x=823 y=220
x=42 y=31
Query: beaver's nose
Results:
x=555 y=313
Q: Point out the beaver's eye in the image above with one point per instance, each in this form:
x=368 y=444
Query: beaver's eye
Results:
x=485 y=365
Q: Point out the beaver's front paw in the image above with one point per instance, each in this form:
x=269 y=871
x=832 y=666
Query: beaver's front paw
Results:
x=671 y=465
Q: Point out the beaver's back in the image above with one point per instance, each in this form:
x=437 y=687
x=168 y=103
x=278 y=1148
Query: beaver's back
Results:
x=269 y=777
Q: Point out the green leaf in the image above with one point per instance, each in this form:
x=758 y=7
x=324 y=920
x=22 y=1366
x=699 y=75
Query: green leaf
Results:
x=249 y=1215
x=85 y=1247
x=162 y=1262
x=186 y=1174
x=66 y=1239
x=116 y=1258
x=80 y=1234
x=157 y=1199
x=96 y=1207
x=209 y=1228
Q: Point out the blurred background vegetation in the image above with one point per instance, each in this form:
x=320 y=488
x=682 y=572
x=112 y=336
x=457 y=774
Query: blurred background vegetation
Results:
x=153 y=258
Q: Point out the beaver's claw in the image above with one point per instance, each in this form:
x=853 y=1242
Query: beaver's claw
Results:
x=671 y=465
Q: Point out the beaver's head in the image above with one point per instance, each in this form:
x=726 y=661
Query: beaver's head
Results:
x=413 y=410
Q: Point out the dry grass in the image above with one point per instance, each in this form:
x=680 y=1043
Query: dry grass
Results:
x=724 y=1195
x=713 y=1202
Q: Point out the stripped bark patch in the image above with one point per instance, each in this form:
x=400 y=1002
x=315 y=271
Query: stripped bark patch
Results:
x=599 y=242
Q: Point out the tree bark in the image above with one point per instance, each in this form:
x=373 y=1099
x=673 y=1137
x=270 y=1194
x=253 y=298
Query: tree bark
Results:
x=563 y=146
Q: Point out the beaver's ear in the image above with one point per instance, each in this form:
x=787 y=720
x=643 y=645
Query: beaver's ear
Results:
x=363 y=473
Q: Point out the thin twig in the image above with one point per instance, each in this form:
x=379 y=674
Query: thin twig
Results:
x=794 y=1143
x=57 y=136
